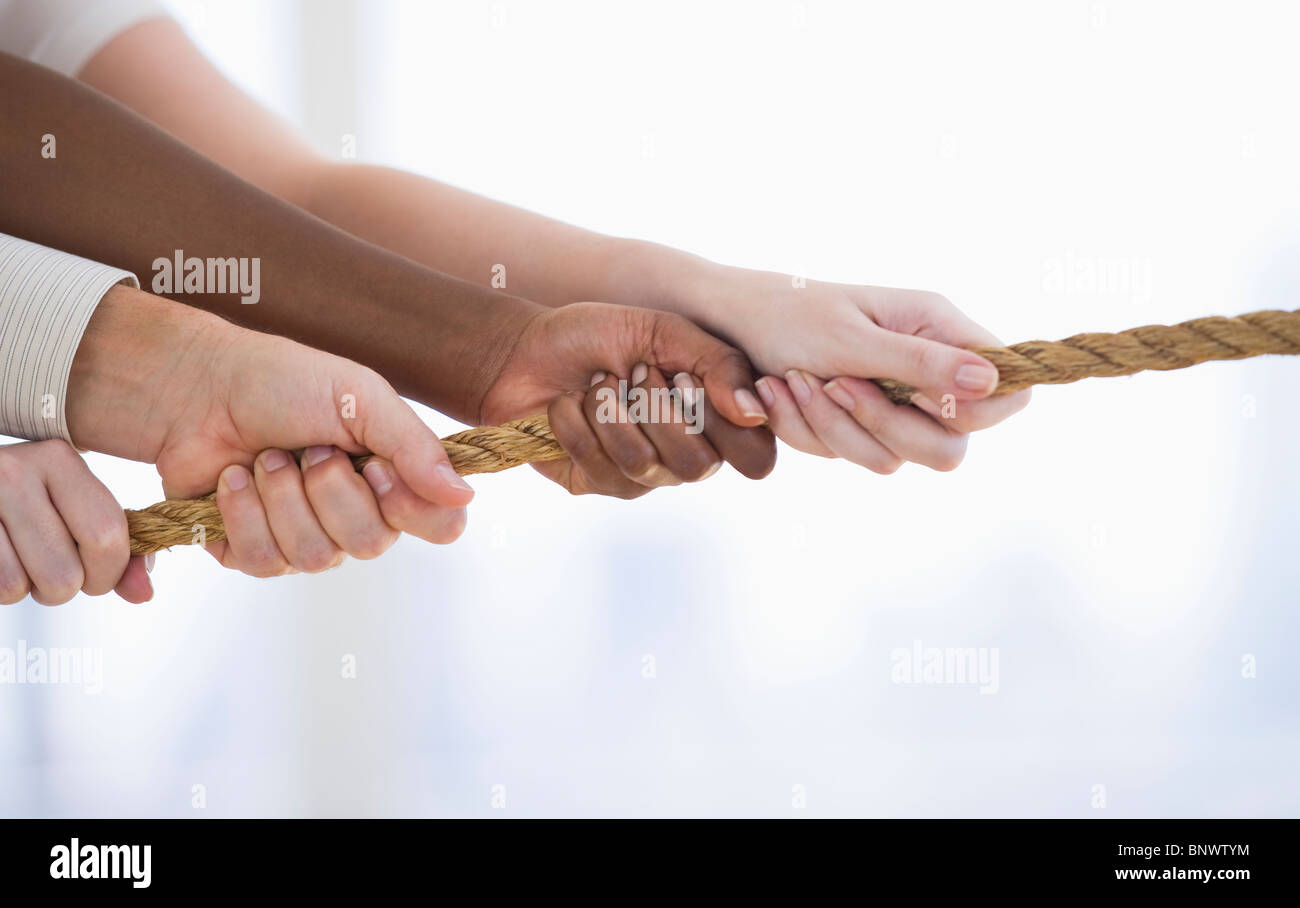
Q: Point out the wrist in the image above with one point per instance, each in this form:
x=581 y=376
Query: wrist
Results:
x=651 y=276
x=136 y=369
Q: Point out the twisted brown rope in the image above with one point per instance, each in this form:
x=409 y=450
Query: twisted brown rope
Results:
x=493 y=448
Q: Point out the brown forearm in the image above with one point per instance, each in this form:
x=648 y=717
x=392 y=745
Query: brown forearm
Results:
x=121 y=191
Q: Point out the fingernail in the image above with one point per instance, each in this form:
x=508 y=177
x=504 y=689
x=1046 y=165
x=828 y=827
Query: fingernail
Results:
x=315 y=454
x=639 y=372
x=377 y=476
x=596 y=379
x=713 y=469
x=838 y=393
x=799 y=387
x=274 y=460
x=148 y=562
x=973 y=377
x=235 y=478
x=749 y=404
x=765 y=391
x=452 y=478
x=682 y=381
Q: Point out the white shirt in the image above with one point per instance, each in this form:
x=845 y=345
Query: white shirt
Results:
x=46 y=299
x=46 y=296
x=65 y=34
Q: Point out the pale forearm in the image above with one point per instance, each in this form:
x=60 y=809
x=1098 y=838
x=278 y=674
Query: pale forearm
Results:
x=495 y=244
x=156 y=70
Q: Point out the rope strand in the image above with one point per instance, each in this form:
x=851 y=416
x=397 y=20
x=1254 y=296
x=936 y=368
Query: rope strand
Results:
x=490 y=449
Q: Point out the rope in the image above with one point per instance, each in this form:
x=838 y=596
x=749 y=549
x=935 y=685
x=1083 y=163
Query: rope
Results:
x=493 y=448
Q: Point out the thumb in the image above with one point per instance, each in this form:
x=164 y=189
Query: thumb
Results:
x=728 y=380
x=931 y=366
x=386 y=425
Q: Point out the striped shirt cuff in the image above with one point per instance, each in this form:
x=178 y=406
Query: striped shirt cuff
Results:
x=46 y=299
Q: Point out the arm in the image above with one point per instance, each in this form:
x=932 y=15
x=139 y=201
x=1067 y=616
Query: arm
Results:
x=797 y=335
x=121 y=191
x=139 y=195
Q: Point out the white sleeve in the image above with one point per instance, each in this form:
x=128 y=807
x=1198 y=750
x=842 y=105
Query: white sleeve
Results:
x=46 y=299
x=65 y=34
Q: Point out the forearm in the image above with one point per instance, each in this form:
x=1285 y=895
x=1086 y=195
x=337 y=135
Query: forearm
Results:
x=495 y=244
x=121 y=191
x=155 y=69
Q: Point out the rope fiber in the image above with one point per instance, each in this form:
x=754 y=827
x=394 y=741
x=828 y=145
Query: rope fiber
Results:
x=490 y=449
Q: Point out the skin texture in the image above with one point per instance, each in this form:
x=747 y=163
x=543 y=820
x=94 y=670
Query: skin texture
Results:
x=269 y=423
x=61 y=531
x=211 y=403
x=139 y=195
x=821 y=330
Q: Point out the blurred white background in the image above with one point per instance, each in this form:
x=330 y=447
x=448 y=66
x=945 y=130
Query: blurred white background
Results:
x=1123 y=544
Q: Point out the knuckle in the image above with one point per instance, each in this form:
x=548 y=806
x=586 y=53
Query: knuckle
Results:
x=400 y=510
x=108 y=536
x=934 y=302
x=951 y=457
x=313 y=559
x=62 y=584
x=885 y=466
x=12 y=469
x=264 y=560
x=581 y=448
x=924 y=358
x=697 y=466
x=637 y=461
x=448 y=529
x=371 y=544
x=13 y=587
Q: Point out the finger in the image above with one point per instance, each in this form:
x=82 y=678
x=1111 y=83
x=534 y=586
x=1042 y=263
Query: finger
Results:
x=587 y=470
x=751 y=450
x=45 y=547
x=906 y=431
x=403 y=510
x=681 y=346
x=786 y=420
x=934 y=367
x=676 y=435
x=972 y=415
x=344 y=504
x=135 y=586
x=14 y=584
x=623 y=441
x=93 y=518
x=387 y=426
x=250 y=545
x=837 y=429
x=289 y=515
